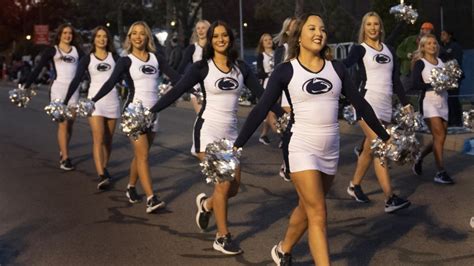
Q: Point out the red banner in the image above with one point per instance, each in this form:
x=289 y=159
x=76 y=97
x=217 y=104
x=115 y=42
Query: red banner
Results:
x=41 y=34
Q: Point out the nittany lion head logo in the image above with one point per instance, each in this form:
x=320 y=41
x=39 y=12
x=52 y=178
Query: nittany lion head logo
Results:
x=68 y=59
x=102 y=67
x=382 y=58
x=148 y=69
x=227 y=84
x=317 y=86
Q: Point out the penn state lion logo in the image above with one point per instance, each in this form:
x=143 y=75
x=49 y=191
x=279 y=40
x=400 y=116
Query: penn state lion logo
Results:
x=102 y=67
x=317 y=86
x=68 y=59
x=227 y=84
x=148 y=69
x=382 y=58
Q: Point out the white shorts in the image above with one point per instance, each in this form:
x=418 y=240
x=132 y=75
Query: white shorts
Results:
x=312 y=152
x=435 y=105
x=206 y=132
x=59 y=90
x=108 y=106
x=381 y=103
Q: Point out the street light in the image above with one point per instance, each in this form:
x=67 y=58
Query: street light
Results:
x=28 y=37
x=245 y=24
x=173 y=23
x=107 y=24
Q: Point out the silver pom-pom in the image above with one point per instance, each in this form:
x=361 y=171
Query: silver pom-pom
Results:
x=221 y=161
x=21 y=96
x=282 y=123
x=58 y=111
x=197 y=92
x=245 y=95
x=403 y=148
x=85 y=107
x=447 y=77
x=349 y=114
x=163 y=89
x=407 y=119
x=136 y=120
x=468 y=119
x=405 y=13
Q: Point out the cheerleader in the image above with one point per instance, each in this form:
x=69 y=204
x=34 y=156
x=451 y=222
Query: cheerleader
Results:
x=379 y=75
x=433 y=105
x=311 y=150
x=64 y=55
x=99 y=65
x=140 y=69
x=193 y=53
x=265 y=65
x=223 y=78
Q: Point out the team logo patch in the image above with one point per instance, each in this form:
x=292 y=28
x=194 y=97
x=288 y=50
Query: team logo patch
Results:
x=68 y=59
x=382 y=58
x=102 y=67
x=227 y=84
x=317 y=86
x=148 y=69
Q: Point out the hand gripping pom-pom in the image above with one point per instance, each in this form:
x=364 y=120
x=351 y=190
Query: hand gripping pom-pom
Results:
x=349 y=114
x=221 y=161
x=405 y=13
x=445 y=78
x=85 y=107
x=136 y=120
x=21 y=96
x=282 y=123
x=58 y=111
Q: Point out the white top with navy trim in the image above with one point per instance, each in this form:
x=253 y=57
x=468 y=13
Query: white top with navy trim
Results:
x=268 y=63
x=426 y=73
x=314 y=98
x=222 y=94
x=145 y=78
x=100 y=70
x=379 y=67
x=65 y=64
x=197 y=55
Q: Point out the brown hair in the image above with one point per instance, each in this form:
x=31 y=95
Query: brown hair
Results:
x=76 y=41
x=110 y=46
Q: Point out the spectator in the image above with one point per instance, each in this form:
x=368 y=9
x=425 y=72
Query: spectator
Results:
x=175 y=55
x=450 y=49
x=406 y=49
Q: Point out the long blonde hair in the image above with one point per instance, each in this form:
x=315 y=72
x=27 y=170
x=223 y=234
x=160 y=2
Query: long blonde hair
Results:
x=194 y=37
x=282 y=37
x=420 y=52
x=150 y=45
x=362 y=24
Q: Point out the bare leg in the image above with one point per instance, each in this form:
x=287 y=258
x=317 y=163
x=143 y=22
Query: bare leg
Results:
x=139 y=167
x=97 y=127
x=438 y=128
x=64 y=137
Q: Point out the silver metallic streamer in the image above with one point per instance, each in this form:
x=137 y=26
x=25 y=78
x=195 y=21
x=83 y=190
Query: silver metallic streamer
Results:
x=349 y=114
x=85 y=107
x=163 y=89
x=221 y=161
x=21 y=96
x=282 y=123
x=468 y=119
x=407 y=119
x=136 y=120
x=58 y=111
x=447 y=77
x=405 y=13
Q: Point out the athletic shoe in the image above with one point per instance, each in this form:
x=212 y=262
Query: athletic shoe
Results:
x=357 y=151
x=394 y=203
x=153 y=204
x=107 y=174
x=66 y=165
x=355 y=191
x=443 y=178
x=280 y=258
x=286 y=176
x=202 y=216
x=132 y=195
x=225 y=245
x=104 y=182
x=417 y=167
x=264 y=140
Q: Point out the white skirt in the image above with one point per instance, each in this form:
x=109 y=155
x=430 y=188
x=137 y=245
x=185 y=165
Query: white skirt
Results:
x=108 y=106
x=435 y=105
x=313 y=152
x=206 y=131
x=59 y=90
x=381 y=103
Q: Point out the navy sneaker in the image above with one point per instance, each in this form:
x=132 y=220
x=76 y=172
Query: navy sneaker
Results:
x=202 y=216
x=394 y=203
x=66 y=165
x=443 y=178
x=154 y=204
x=225 y=245
x=280 y=258
x=132 y=195
x=355 y=191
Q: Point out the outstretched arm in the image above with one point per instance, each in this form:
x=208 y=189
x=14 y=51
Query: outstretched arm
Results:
x=120 y=69
x=46 y=56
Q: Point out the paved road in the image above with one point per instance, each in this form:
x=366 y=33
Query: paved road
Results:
x=51 y=217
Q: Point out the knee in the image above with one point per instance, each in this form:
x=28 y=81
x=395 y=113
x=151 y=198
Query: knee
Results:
x=316 y=214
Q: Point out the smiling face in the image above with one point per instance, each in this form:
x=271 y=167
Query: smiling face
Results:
x=313 y=35
x=220 y=39
x=201 y=30
x=430 y=47
x=372 y=28
x=138 y=37
x=101 y=39
x=66 y=35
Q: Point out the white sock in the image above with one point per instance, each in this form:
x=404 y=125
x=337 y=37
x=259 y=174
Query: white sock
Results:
x=149 y=197
x=129 y=186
